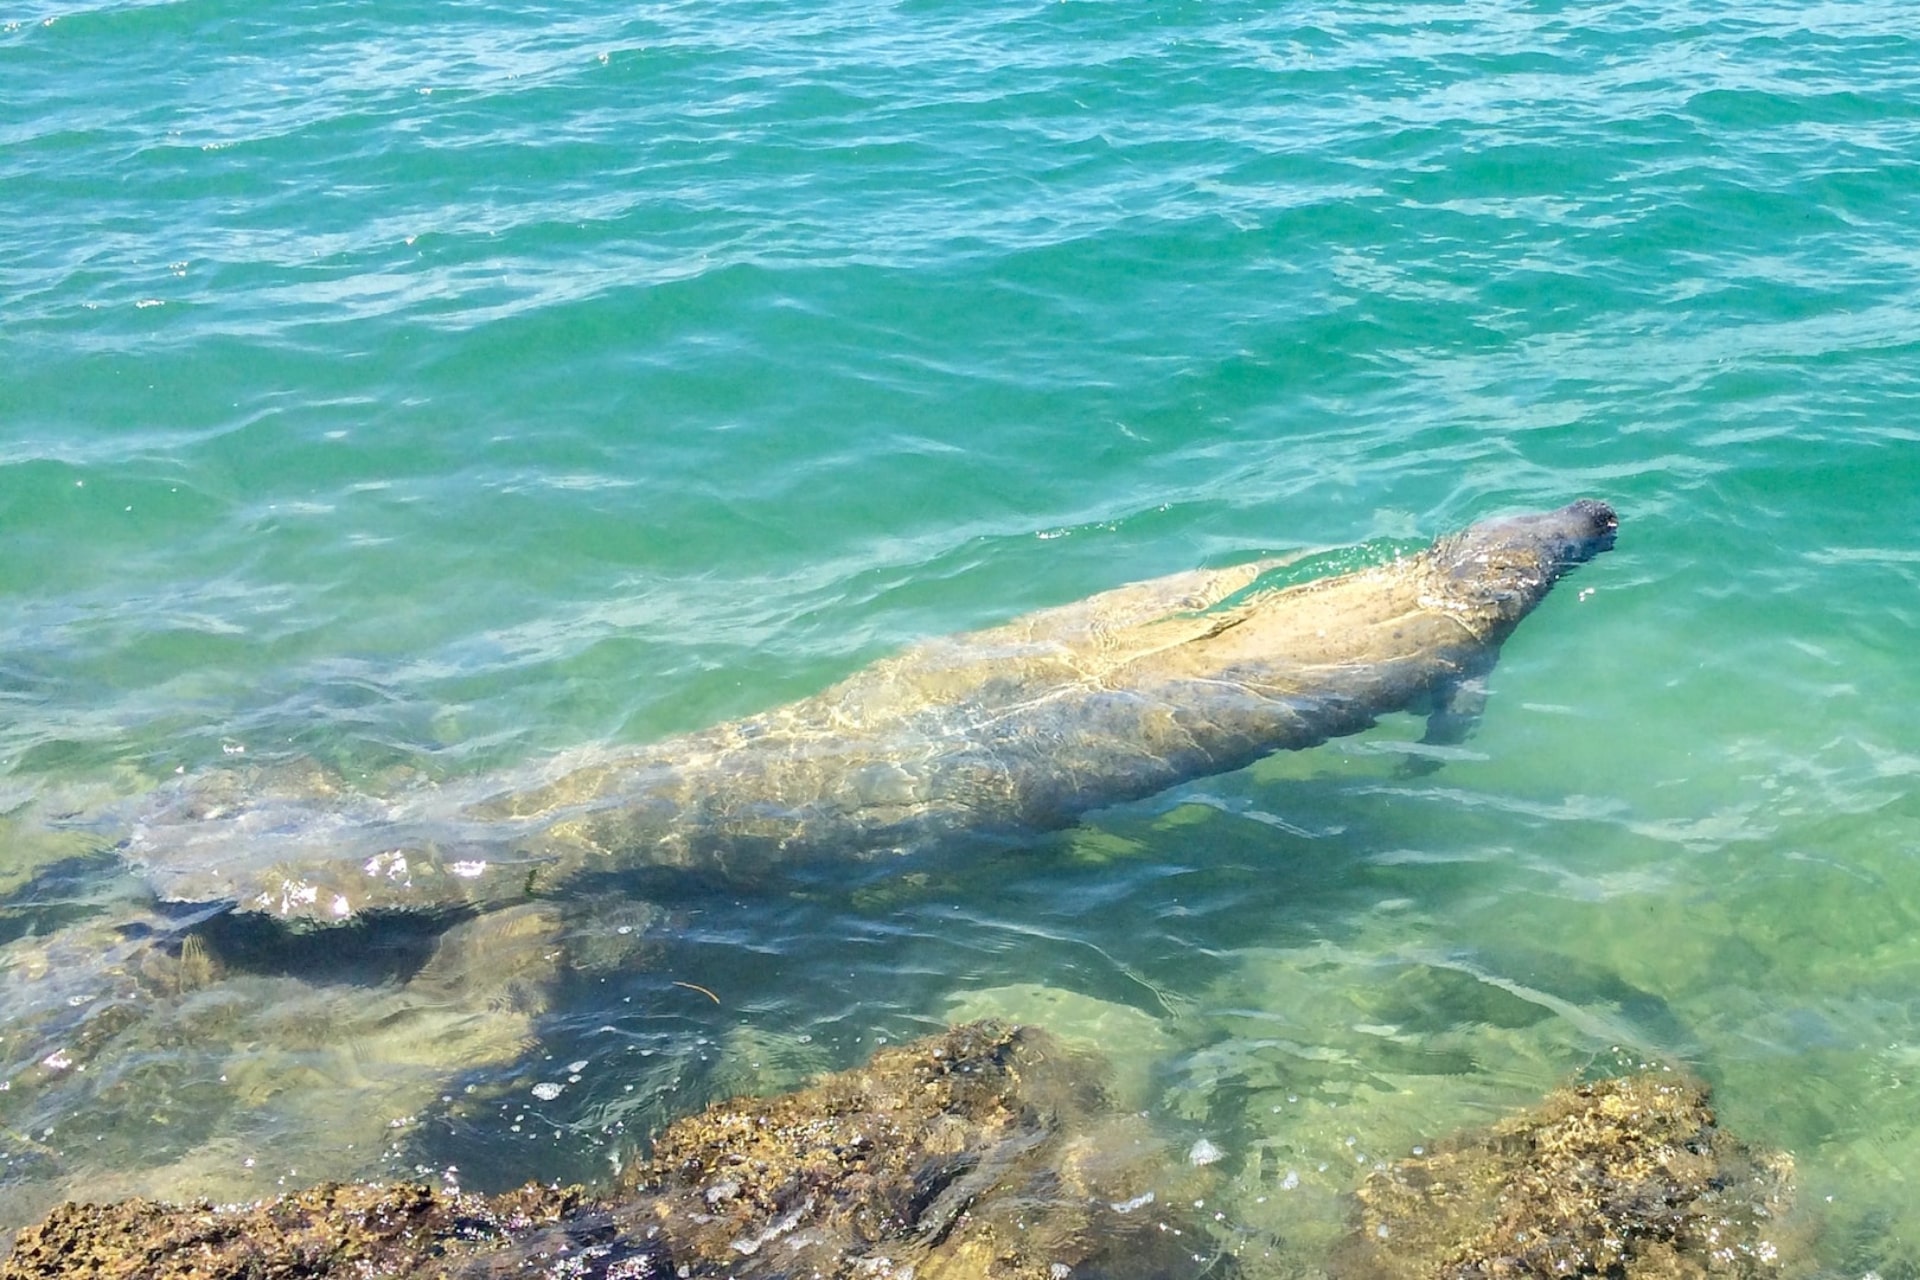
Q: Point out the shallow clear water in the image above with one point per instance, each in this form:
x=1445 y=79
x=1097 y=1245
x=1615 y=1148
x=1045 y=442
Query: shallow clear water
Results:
x=428 y=389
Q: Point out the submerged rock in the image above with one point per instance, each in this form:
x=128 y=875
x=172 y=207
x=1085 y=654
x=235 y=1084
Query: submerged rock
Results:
x=975 y=1153
x=1630 y=1179
x=1131 y=1042
x=146 y=1063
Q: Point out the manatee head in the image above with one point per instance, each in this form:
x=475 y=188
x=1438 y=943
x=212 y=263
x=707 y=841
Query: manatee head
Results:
x=1508 y=564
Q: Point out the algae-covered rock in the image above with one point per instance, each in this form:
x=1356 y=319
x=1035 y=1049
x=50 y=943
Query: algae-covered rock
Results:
x=403 y=1229
x=983 y=1153
x=956 y=1155
x=1629 y=1178
x=1313 y=1066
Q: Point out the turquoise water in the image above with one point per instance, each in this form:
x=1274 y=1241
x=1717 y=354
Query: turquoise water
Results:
x=424 y=390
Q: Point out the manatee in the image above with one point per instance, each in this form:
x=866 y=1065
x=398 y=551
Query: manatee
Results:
x=992 y=735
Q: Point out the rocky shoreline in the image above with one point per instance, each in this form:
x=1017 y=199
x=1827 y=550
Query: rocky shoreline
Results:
x=989 y=1152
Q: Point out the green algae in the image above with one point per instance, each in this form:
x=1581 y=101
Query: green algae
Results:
x=1299 y=567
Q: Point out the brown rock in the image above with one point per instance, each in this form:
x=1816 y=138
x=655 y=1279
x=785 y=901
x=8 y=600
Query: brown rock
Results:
x=1630 y=1179
x=962 y=1156
x=405 y=1229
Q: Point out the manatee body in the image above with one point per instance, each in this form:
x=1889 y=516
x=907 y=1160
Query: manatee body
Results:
x=998 y=733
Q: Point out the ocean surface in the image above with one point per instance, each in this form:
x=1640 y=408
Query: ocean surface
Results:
x=400 y=391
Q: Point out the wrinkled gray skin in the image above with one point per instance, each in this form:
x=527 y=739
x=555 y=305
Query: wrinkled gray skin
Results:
x=997 y=733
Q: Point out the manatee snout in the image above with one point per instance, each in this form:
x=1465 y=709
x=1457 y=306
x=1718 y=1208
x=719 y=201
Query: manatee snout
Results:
x=1512 y=562
x=1582 y=530
x=1551 y=541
